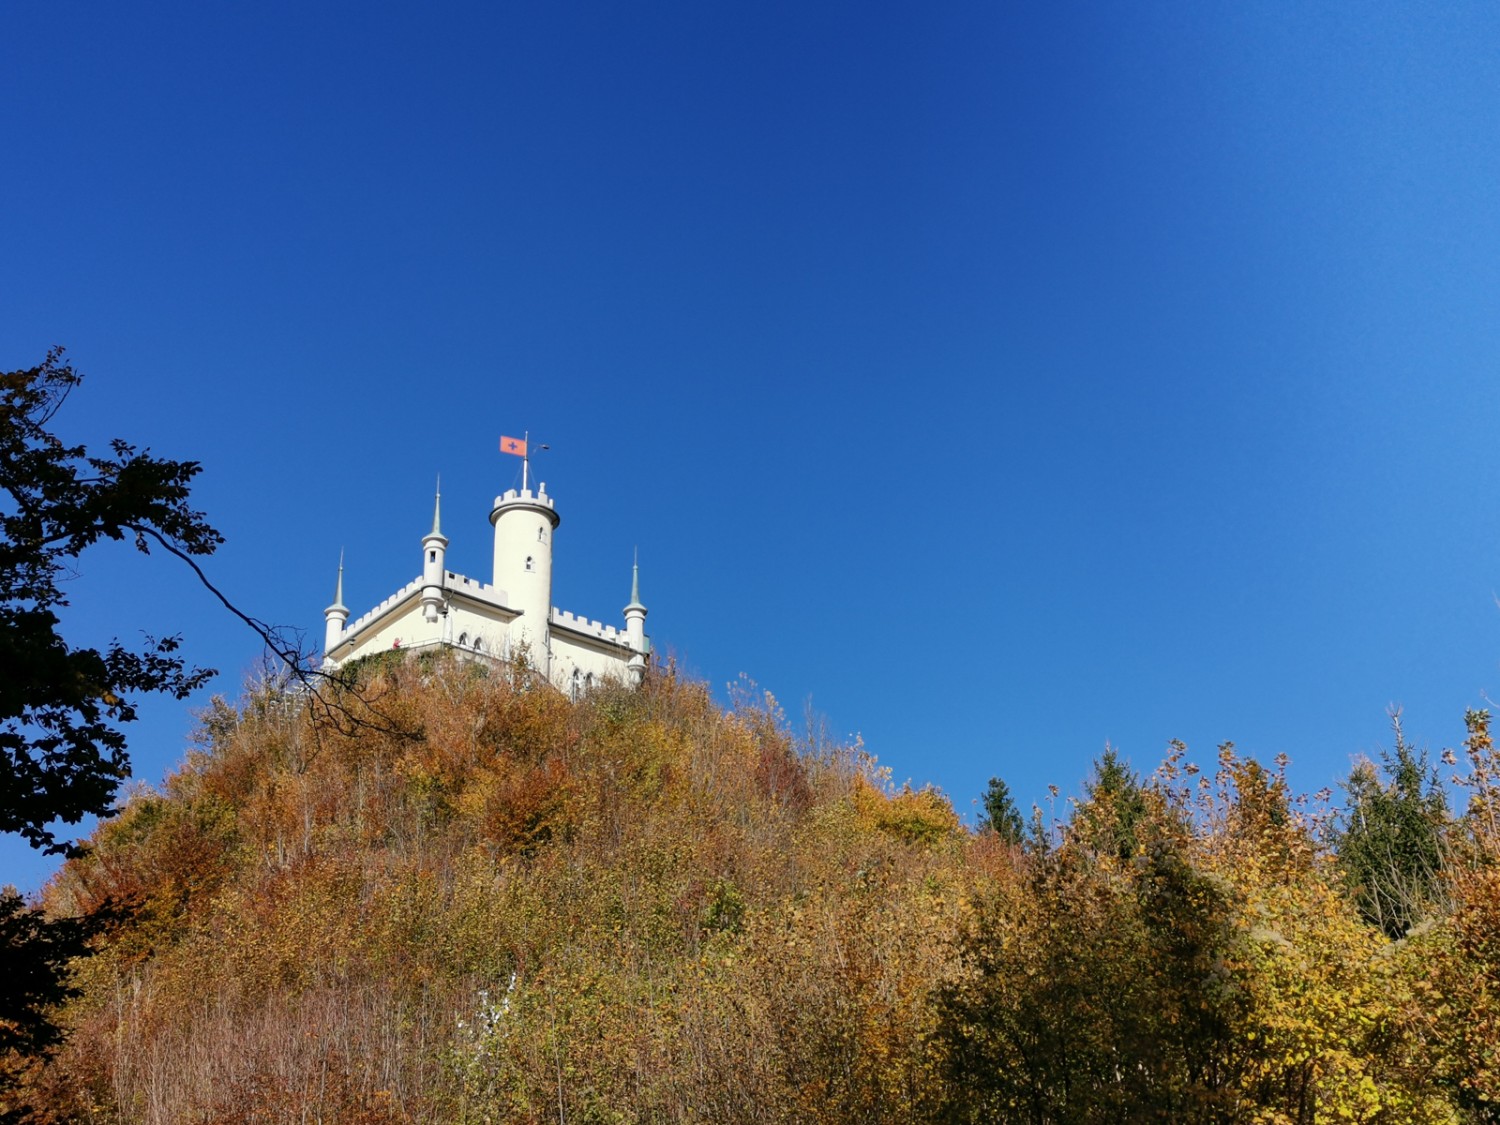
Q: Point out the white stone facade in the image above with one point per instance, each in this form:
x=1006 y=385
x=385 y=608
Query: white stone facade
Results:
x=500 y=619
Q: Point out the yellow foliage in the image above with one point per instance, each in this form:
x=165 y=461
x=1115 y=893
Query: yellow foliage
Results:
x=497 y=905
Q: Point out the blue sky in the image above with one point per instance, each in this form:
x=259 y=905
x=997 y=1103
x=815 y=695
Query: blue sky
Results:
x=1009 y=379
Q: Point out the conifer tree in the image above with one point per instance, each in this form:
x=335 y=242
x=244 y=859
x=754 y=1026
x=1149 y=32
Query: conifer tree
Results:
x=1390 y=842
x=1112 y=808
x=1000 y=813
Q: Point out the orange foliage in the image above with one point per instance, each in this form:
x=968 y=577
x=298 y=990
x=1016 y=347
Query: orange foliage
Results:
x=502 y=906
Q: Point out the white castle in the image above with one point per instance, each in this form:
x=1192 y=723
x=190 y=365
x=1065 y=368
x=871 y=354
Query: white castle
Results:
x=496 y=621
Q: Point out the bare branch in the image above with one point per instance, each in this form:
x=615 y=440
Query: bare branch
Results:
x=325 y=690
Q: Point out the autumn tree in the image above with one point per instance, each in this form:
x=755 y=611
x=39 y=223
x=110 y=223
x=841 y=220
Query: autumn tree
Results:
x=1032 y=1025
x=62 y=707
x=1096 y=987
x=1458 y=959
x=62 y=752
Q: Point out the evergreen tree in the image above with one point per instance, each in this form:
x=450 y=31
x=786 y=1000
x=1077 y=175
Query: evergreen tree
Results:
x=1390 y=841
x=1112 y=808
x=1000 y=813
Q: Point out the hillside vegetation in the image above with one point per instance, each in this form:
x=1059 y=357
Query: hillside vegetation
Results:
x=494 y=905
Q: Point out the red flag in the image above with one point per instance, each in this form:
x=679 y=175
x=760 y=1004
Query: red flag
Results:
x=513 y=445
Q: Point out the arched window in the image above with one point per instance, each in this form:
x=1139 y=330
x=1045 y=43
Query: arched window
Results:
x=463 y=639
x=573 y=688
x=478 y=644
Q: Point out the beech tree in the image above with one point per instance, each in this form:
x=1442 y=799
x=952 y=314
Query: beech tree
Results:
x=62 y=707
x=62 y=750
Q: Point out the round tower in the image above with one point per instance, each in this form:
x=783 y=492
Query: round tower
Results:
x=335 y=616
x=434 y=553
x=524 y=524
x=635 y=628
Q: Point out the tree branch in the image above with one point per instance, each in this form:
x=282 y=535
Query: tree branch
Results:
x=315 y=682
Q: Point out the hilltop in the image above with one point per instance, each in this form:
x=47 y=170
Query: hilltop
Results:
x=484 y=902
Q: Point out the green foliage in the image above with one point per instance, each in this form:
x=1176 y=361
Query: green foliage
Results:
x=1000 y=813
x=62 y=749
x=1215 y=974
x=1390 y=841
x=724 y=912
x=1089 y=993
x=62 y=754
x=1105 y=823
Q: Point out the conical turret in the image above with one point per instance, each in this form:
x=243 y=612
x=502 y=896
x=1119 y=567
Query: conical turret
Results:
x=635 y=626
x=434 y=554
x=336 y=615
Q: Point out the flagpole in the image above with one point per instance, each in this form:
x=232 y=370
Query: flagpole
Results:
x=525 y=459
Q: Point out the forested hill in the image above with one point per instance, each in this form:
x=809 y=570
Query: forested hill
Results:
x=484 y=903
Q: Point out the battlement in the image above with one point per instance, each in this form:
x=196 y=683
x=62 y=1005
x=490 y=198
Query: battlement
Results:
x=588 y=625
x=474 y=588
x=538 y=499
x=400 y=595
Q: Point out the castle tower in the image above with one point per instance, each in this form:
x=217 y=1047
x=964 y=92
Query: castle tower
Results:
x=524 y=524
x=336 y=615
x=434 y=552
x=635 y=627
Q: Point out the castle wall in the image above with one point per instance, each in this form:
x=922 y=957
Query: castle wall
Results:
x=478 y=629
x=402 y=621
x=491 y=622
x=592 y=666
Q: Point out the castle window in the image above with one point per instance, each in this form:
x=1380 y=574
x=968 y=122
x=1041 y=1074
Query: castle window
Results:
x=478 y=644
x=463 y=639
x=529 y=565
x=432 y=556
x=573 y=690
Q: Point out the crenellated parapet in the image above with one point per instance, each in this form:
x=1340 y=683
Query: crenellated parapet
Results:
x=379 y=611
x=588 y=625
x=538 y=498
x=474 y=588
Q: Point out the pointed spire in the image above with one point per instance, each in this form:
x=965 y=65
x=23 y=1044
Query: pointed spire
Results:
x=435 y=537
x=338 y=592
x=635 y=583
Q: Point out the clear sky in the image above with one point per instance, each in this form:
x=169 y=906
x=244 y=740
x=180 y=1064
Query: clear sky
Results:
x=1008 y=378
